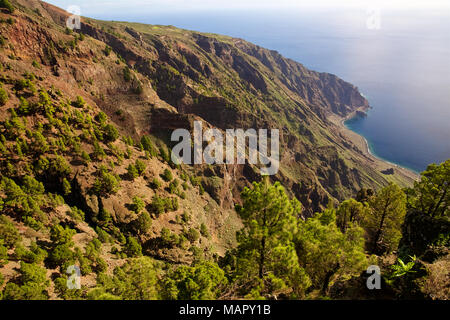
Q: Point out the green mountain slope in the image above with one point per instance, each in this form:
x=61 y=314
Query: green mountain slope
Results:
x=85 y=121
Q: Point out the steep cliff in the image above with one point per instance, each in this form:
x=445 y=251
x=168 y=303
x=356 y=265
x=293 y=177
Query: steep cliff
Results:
x=150 y=80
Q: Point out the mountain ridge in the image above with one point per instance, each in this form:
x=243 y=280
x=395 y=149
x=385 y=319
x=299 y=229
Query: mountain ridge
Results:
x=187 y=77
x=87 y=177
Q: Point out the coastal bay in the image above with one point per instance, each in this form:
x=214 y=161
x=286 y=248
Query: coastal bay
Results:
x=372 y=160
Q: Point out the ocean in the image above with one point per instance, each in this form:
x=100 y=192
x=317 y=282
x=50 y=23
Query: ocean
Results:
x=399 y=59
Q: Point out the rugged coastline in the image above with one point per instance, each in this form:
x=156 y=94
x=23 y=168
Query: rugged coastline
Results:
x=362 y=144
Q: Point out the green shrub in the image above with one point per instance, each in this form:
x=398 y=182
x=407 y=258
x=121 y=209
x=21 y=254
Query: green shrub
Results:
x=185 y=217
x=39 y=143
x=168 y=239
x=192 y=235
x=59 y=167
x=31 y=285
x=78 y=102
x=32 y=187
x=64 y=292
x=173 y=186
x=127 y=74
x=60 y=235
x=3 y=258
x=24 y=107
x=107 y=50
x=8 y=232
x=133 y=248
x=138 y=89
x=101 y=117
x=62 y=256
x=155 y=184
x=143 y=222
x=104 y=216
x=66 y=187
x=140 y=166
x=103 y=236
x=164 y=155
x=158 y=205
x=175 y=204
x=76 y=214
x=201 y=189
x=85 y=157
x=32 y=223
x=138 y=205
x=3 y=97
x=101 y=265
x=7 y=5
x=136 y=280
x=34 y=255
x=167 y=175
x=132 y=171
x=98 y=153
x=148 y=145
x=204 y=281
x=110 y=133
x=204 y=230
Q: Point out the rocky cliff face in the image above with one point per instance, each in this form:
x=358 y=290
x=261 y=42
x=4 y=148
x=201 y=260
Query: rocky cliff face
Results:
x=231 y=83
x=177 y=76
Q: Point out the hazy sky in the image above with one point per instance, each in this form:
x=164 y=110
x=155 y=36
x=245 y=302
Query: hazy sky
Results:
x=91 y=7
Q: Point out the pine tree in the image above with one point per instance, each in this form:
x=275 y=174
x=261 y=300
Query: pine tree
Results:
x=350 y=211
x=67 y=189
x=327 y=253
x=266 y=261
x=110 y=133
x=133 y=248
x=32 y=284
x=138 y=205
x=3 y=97
x=148 y=145
x=9 y=235
x=167 y=175
x=383 y=224
x=143 y=222
x=78 y=102
x=203 y=281
x=85 y=156
x=59 y=167
x=106 y=183
x=3 y=255
x=99 y=153
x=7 y=5
x=39 y=143
x=135 y=280
x=140 y=166
x=132 y=172
x=431 y=195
